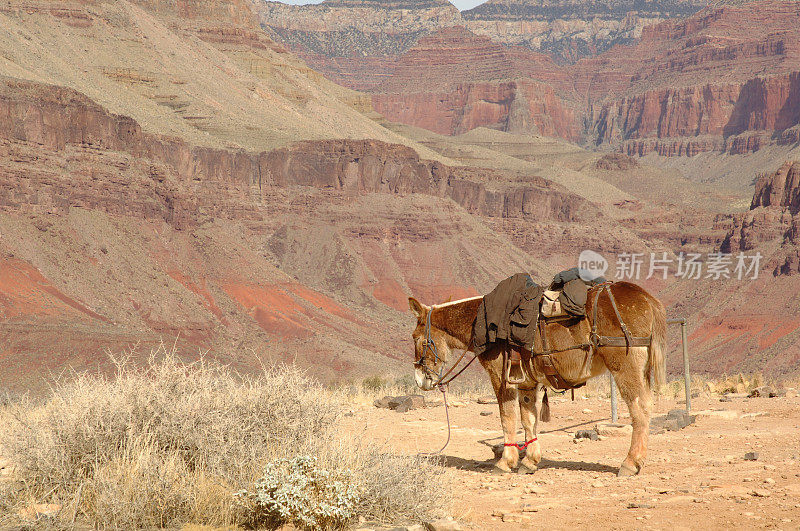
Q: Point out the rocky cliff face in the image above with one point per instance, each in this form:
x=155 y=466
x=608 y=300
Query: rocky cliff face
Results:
x=355 y=42
x=453 y=81
x=56 y=117
x=570 y=30
x=726 y=79
x=773 y=219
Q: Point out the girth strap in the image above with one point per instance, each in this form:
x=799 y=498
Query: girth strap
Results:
x=613 y=341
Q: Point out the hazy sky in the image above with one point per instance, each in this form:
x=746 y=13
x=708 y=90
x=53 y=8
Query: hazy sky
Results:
x=460 y=4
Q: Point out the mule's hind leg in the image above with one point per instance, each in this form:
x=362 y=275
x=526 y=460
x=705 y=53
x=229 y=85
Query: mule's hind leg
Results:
x=636 y=393
x=530 y=412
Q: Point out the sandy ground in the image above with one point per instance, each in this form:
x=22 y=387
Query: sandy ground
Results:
x=694 y=478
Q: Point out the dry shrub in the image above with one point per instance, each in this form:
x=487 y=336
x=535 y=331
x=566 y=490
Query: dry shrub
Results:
x=169 y=443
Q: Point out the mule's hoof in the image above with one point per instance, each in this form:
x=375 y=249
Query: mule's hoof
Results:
x=525 y=469
x=499 y=471
x=626 y=471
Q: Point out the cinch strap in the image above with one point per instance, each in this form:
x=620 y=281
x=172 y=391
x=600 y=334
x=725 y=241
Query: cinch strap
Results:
x=521 y=446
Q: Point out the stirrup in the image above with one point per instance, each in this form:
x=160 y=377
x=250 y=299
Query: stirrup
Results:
x=509 y=362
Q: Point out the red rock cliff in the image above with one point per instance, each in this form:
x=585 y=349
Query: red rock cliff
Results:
x=56 y=117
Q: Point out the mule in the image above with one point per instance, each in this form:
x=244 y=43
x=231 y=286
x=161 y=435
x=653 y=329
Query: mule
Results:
x=636 y=369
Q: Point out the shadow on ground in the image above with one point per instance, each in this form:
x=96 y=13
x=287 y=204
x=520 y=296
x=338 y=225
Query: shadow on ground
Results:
x=451 y=461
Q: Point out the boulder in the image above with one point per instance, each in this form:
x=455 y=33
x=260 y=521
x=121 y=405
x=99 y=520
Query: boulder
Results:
x=401 y=404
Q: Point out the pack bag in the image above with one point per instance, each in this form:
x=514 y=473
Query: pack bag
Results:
x=574 y=290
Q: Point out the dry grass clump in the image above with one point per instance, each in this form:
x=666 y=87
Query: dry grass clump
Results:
x=468 y=386
x=170 y=443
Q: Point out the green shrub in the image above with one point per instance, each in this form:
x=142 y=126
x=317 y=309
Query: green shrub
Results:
x=300 y=492
x=374 y=383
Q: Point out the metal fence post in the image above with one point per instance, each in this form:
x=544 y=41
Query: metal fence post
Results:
x=613 y=398
x=686 y=379
x=687 y=382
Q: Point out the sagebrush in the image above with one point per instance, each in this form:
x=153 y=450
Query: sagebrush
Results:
x=170 y=443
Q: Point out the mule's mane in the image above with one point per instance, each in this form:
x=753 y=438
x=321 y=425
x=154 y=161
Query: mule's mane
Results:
x=453 y=303
x=456 y=317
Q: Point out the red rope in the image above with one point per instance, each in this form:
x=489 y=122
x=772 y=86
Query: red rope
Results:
x=521 y=446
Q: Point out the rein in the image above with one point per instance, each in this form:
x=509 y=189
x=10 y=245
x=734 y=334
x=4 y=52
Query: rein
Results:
x=443 y=389
x=441 y=383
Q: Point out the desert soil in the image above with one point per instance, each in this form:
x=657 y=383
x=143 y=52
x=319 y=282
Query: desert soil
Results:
x=695 y=477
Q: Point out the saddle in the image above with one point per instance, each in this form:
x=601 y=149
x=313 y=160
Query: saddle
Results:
x=552 y=309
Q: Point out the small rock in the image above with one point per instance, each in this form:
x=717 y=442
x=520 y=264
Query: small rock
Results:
x=587 y=411
x=443 y=524
x=485 y=413
x=383 y=402
x=751 y=456
x=598 y=485
x=535 y=489
x=727 y=414
x=614 y=430
x=586 y=434
x=515 y=518
x=401 y=404
x=767 y=392
x=639 y=505
x=761 y=493
x=769 y=481
x=486 y=400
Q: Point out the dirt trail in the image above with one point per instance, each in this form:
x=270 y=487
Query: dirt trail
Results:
x=695 y=477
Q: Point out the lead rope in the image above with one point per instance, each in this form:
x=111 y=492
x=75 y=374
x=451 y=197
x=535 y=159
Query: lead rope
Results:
x=443 y=389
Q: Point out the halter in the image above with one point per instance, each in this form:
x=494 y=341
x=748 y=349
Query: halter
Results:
x=431 y=346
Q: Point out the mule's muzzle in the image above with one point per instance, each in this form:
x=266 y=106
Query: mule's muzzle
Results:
x=422 y=379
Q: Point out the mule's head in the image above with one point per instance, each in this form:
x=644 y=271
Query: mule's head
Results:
x=431 y=347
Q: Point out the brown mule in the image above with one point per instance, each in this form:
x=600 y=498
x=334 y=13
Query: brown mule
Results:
x=444 y=327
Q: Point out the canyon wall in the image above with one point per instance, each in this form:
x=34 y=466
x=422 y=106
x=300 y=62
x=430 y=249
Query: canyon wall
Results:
x=570 y=30
x=670 y=78
x=55 y=117
x=773 y=219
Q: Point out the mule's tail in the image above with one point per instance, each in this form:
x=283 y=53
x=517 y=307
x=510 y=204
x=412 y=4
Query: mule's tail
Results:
x=655 y=369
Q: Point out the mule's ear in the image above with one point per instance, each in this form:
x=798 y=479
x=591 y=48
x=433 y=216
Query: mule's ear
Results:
x=416 y=307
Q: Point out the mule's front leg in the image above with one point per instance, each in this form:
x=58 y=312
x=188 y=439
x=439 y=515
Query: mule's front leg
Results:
x=529 y=404
x=508 y=402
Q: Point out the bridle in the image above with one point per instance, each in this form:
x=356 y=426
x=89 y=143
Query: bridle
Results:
x=441 y=378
